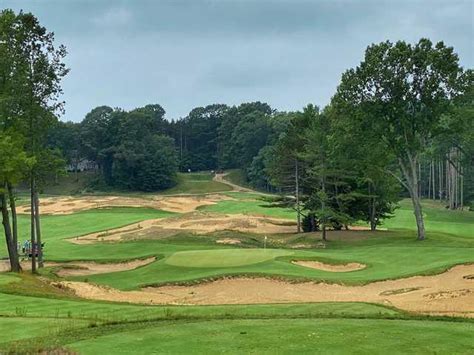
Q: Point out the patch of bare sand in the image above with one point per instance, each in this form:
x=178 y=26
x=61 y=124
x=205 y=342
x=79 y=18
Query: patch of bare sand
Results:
x=208 y=223
x=83 y=268
x=230 y=241
x=197 y=222
x=449 y=293
x=329 y=267
x=69 y=205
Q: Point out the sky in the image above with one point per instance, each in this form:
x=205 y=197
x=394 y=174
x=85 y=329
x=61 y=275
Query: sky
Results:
x=185 y=54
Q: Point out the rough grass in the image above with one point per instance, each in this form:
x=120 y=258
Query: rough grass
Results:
x=237 y=177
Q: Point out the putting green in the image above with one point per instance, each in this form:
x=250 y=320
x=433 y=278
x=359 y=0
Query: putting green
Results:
x=224 y=257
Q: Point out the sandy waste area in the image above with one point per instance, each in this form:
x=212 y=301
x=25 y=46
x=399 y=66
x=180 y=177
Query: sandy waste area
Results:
x=69 y=205
x=450 y=293
x=197 y=222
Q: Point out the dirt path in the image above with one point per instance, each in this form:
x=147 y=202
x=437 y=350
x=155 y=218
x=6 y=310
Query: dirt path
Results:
x=220 y=178
x=69 y=205
x=83 y=268
x=196 y=222
x=450 y=293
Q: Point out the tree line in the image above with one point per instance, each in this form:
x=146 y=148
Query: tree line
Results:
x=399 y=123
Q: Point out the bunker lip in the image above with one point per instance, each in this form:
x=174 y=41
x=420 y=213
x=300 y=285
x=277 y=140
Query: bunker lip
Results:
x=318 y=265
x=84 y=268
x=448 y=293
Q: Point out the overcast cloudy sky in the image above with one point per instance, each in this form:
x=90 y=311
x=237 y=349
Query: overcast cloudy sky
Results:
x=183 y=54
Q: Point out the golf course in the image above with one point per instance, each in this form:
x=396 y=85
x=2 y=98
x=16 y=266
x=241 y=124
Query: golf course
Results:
x=236 y=177
x=119 y=276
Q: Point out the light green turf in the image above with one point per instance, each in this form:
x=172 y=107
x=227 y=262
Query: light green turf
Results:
x=57 y=228
x=196 y=183
x=250 y=206
x=437 y=219
x=224 y=258
x=293 y=336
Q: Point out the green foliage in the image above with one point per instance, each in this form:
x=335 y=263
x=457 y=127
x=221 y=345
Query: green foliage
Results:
x=399 y=94
x=130 y=148
x=148 y=164
x=196 y=137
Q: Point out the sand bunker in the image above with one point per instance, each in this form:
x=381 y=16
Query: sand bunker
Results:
x=91 y=268
x=448 y=293
x=211 y=222
x=83 y=268
x=197 y=222
x=69 y=205
x=329 y=267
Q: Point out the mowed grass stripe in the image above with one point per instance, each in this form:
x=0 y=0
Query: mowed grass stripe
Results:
x=302 y=336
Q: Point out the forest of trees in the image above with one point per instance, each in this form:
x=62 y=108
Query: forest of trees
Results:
x=400 y=124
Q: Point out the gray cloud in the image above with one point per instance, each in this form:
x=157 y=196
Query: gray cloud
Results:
x=182 y=54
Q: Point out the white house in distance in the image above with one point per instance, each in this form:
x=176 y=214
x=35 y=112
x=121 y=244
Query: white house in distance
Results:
x=82 y=165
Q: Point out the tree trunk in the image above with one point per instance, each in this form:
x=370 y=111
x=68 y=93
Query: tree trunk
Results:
x=433 y=174
x=373 y=222
x=440 y=180
x=297 y=196
x=11 y=195
x=429 y=181
x=76 y=172
x=38 y=230
x=32 y=225
x=323 y=206
x=419 y=218
x=324 y=233
x=410 y=172
x=11 y=247
x=462 y=189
